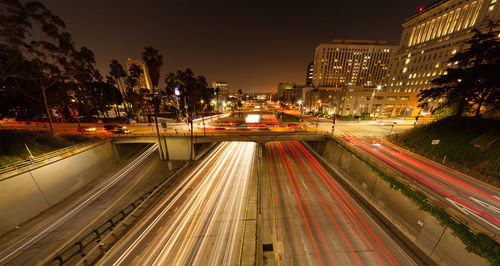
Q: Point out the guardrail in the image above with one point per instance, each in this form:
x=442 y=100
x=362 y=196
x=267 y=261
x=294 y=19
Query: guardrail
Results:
x=46 y=156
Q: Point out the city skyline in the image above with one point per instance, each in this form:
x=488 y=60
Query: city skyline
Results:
x=252 y=46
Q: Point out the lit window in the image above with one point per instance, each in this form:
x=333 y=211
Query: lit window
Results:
x=454 y=51
x=404 y=70
x=491 y=7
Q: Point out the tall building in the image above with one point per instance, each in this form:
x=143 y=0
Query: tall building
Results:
x=430 y=37
x=290 y=92
x=309 y=73
x=144 y=82
x=351 y=62
x=223 y=88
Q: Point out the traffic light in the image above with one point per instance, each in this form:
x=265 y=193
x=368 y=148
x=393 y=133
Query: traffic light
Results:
x=334 y=121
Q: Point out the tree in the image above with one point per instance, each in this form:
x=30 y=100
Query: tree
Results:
x=134 y=95
x=153 y=61
x=475 y=81
x=118 y=74
x=38 y=62
x=192 y=89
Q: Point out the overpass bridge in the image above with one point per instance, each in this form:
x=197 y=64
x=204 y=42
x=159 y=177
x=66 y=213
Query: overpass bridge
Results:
x=183 y=146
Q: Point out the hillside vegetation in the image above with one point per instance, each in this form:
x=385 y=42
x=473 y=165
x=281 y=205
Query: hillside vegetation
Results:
x=455 y=135
x=12 y=148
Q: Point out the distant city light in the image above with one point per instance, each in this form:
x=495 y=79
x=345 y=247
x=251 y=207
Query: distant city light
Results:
x=177 y=92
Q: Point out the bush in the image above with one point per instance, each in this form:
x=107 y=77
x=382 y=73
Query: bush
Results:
x=455 y=135
x=479 y=244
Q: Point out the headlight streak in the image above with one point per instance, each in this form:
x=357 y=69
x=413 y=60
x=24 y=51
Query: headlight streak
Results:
x=40 y=231
x=159 y=211
x=211 y=209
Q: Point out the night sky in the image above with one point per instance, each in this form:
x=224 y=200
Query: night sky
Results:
x=253 y=45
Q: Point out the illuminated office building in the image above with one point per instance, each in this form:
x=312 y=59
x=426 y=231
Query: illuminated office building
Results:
x=430 y=37
x=343 y=63
x=144 y=82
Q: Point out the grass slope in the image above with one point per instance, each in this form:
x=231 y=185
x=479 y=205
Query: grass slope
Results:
x=12 y=142
x=455 y=135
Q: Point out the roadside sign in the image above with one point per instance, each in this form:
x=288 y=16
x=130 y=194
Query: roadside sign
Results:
x=435 y=142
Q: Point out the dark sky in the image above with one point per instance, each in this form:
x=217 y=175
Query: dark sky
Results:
x=253 y=45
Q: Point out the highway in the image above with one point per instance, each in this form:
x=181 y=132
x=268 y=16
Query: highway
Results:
x=201 y=221
x=469 y=198
x=37 y=240
x=316 y=221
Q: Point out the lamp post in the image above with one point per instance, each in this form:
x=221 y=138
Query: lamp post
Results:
x=300 y=106
x=317 y=117
x=75 y=112
x=371 y=100
x=202 y=117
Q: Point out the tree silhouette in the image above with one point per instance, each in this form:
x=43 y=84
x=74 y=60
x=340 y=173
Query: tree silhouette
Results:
x=474 y=81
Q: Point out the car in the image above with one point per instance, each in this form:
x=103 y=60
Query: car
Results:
x=117 y=129
x=109 y=127
x=376 y=143
x=89 y=129
x=120 y=130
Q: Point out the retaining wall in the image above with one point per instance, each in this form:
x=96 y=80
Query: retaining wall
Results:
x=420 y=227
x=25 y=194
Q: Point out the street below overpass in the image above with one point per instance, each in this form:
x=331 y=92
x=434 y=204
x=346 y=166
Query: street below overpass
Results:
x=201 y=221
x=316 y=221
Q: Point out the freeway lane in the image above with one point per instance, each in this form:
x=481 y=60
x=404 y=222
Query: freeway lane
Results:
x=37 y=240
x=473 y=200
x=318 y=222
x=201 y=221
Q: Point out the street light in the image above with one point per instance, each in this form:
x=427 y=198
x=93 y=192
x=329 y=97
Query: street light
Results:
x=317 y=117
x=203 y=118
x=300 y=106
x=371 y=100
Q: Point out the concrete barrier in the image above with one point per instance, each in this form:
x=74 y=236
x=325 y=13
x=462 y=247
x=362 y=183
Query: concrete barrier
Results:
x=425 y=231
x=24 y=195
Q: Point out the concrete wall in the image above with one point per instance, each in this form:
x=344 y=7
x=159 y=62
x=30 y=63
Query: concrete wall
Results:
x=420 y=227
x=25 y=195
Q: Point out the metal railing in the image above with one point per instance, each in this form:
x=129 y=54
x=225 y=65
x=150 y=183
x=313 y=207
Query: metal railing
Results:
x=46 y=156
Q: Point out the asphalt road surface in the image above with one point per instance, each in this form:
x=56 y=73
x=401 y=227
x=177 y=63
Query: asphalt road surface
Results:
x=469 y=198
x=200 y=222
x=38 y=239
x=317 y=221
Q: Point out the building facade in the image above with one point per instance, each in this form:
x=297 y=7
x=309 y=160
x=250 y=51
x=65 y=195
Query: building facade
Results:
x=144 y=82
x=309 y=73
x=430 y=37
x=343 y=63
x=223 y=88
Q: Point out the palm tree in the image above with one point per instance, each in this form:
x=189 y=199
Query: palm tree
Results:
x=154 y=61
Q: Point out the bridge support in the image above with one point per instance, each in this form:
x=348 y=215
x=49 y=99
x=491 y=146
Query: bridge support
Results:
x=176 y=148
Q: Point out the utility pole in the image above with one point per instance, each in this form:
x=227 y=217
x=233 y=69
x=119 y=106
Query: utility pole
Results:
x=155 y=106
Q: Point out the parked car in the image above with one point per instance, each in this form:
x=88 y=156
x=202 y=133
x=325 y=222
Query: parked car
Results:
x=120 y=130
x=117 y=129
